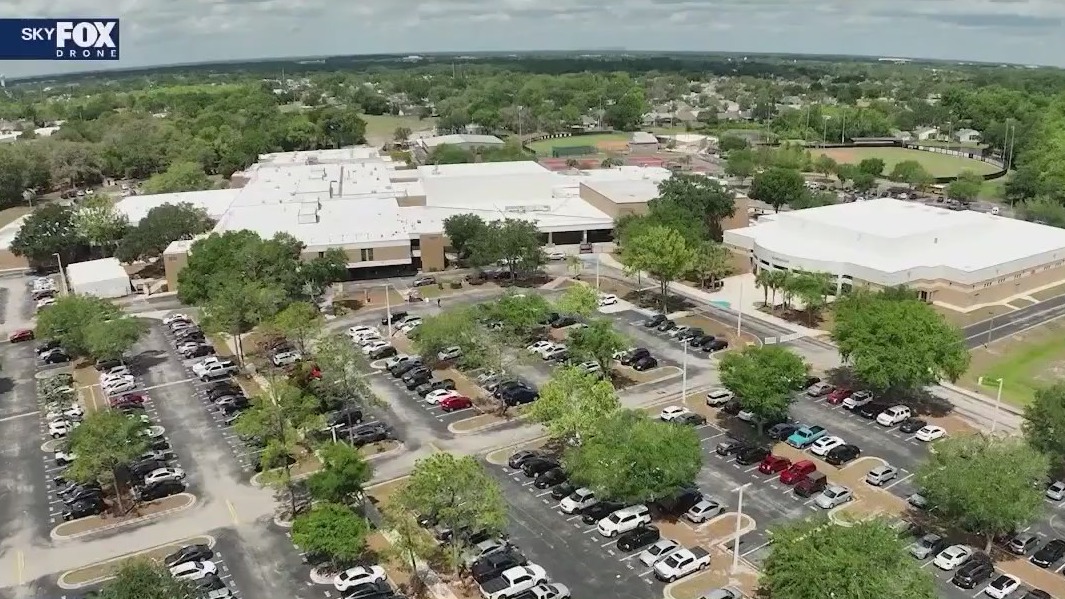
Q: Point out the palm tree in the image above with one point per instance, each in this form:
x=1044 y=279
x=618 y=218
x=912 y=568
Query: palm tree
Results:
x=777 y=280
x=764 y=280
x=787 y=287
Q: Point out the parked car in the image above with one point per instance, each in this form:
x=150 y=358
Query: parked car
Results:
x=1022 y=543
x=978 y=569
x=518 y=458
x=893 y=415
x=844 y=453
x=550 y=478
x=450 y=353
x=537 y=465
x=715 y=345
x=635 y=355
x=645 y=363
x=353 y=577
x=641 y=536
x=872 y=409
x=624 y=520
x=833 y=496
x=912 y=425
x=781 y=431
x=806 y=436
x=658 y=550
x=797 y=471
x=193 y=570
x=579 y=500
x=857 y=399
x=881 y=474
x=84 y=509
x=751 y=455
x=454 y=403
x=681 y=563
x=927 y=546
x=160 y=490
x=654 y=321
x=1050 y=554
x=811 y=484
x=188 y=553
x=772 y=464
x=719 y=397
x=704 y=510
x=20 y=336
x=284 y=358
x=953 y=557
x=837 y=395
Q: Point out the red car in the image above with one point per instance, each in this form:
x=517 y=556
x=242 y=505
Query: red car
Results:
x=797 y=471
x=21 y=335
x=773 y=464
x=132 y=399
x=838 y=395
x=455 y=402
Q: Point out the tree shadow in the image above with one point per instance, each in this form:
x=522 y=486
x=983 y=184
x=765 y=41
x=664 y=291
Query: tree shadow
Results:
x=921 y=401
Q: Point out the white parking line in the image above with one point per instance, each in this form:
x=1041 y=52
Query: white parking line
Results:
x=608 y=543
x=628 y=557
x=592 y=529
x=978 y=593
x=547 y=492
x=752 y=468
x=900 y=480
x=752 y=550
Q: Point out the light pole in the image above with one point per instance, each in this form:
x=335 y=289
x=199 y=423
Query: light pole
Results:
x=684 y=373
x=990 y=327
x=739 y=525
x=998 y=400
x=843 y=130
x=62 y=275
x=824 y=134
x=739 y=315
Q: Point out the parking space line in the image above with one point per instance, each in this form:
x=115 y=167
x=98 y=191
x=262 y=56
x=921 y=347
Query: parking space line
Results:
x=900 y=480
x=611 y=542
x=752 y=550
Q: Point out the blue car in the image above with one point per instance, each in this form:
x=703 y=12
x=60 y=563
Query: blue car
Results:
x=806 y=435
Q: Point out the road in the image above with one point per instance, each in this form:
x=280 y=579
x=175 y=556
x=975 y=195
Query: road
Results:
x=1003 y=326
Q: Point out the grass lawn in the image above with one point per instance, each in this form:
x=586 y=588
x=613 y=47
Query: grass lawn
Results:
x=938 y=165
x=964 y=319
x=543 y=147
x=379 y=128
x=1025 y=362
x=1049 y=292
x=8 y=215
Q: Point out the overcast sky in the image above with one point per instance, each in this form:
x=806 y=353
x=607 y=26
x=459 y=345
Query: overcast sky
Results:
x=156 y=32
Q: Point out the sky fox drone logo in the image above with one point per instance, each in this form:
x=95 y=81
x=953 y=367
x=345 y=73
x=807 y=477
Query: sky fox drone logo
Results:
x=70 y=39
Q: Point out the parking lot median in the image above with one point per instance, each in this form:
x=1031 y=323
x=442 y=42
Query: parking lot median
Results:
x=98 y=572
x=145 y=512
x=477 y=423
x=500 y=456
x=87 y=381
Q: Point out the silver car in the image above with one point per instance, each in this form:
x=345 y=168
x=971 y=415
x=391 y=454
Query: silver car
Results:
x=881 y=474
x=1056 y=491
x=927 y=546
x=724 y=593
x=833 y=496
x=658 y=551
x=704 y=510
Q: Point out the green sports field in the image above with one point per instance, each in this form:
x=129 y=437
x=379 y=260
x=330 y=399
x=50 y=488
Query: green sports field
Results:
x=938 y=165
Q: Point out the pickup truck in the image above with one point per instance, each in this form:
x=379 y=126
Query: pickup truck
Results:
x=682 y=563
x=216 y=370
x=513 y=582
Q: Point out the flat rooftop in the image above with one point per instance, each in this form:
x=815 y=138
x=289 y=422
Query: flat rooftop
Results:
x=214 y=202
x=894 y=236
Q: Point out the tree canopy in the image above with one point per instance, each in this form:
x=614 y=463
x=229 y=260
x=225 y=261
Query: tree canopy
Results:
x=597 y=342
x=778 y=187
x=161 y=226
x=764 y=378
x=48 y=230
x=661 y=252
x=179 y=176
x=705 y=200
x=142 y=579
x=333 y=532
x=86 y=325
x=342 y=476
x=1044 y=420
x=573 y=403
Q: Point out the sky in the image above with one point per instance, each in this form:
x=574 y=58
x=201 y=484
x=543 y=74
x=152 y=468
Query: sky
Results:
x=158 y=32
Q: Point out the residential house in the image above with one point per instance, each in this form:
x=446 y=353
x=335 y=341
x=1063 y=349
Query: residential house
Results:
x=967 y=136
x=926 y=133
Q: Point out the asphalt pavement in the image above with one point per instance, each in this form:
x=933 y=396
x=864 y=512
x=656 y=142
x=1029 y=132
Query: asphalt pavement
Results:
x=999 y=327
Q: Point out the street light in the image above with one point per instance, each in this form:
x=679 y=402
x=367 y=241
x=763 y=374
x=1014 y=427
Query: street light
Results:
x=824 y=135
x=62 y=275
x=684 y=373
x=998 y=399
x=739 y=525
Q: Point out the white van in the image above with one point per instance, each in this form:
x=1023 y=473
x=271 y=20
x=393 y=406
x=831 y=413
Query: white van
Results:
x=624 y=520
x=719 y=397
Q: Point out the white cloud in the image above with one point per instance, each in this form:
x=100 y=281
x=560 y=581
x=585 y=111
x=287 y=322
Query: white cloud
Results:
x=161 y=32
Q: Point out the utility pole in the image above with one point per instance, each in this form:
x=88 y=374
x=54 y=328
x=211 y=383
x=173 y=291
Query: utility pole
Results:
x=843 y=131
x=62 y=273
x=998 y=400
x=824 y=134
x=739 y=526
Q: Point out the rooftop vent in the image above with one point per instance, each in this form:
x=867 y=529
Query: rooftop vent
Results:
x=308 y=212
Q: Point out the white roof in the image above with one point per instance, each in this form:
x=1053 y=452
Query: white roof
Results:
x=86 y=273
x=213 y=201
x=892 y=242
x=642 y=137
x=626 y=192
x=461 y=138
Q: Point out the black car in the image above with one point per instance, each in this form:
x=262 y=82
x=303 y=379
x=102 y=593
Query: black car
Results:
x=1049 y=554
x=365 y=436
x=385 y=352
x=641 y=536
x=349 y=415
x=84 y=509
x=420 y=377
x=503 y=386
x=666 y=325
x=635 y=355
x=84 y=494
x=161 y=489
x=159 y=443
x=715 y=345
x=837 y=456
x=810 y=381
x=692 y=333
x=563 y=322
x=494 y=564
x=104 y=365
x=228 y=399
x=420 y=371
x=239 y=404
x=691 y=419
x=654 y=321
x=404 y=367
x=200 y=351
x=562 y=490
x=141 y=468
x=912 y=425
x=429 y=387
x=520 y=457
x=678 y=503
x=519 y=396
x=223 y=388
x=779 y=432
x=550 y=478
x=370 y=590
x=645 y=363
x=751 y=455
x=396 y=316
x=1037 y=594
x=595 y=513
x=55 y=357
x=978 y=569
x=209 y=583
x=700 y=340
x=872 y=409
x=534 y=466
x=732 y=407
x=731 y=446
x=68 y=487
x=188 y=553
x=48 y=345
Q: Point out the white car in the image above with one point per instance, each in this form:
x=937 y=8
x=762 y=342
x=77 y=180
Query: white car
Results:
x=578 y=500
x=1056 y=491
x=881 y=474
x=48 y=301
x=449 y=353
x=194 y=570
x=953 y=556
x=893 y=415
x=832 y=496
x=59 y=428
x=677 y=331
x=353 y=577
x=515 y=581
x=659 y=550
x=153 y=432
x=370 y=348
x=120 y=370
x=120 y=387
x=74 y=411
x=624 y=520
x=931 y=433
x=719 y=397
x=857 y=399
x=704 y=510
x=437 y=395
x=205 y=363
x=555 y=255
x=607 y=299
x=549 y=590
x=410 y=325
x=590 y=367
x=824 y=445
x=745 y=415
x=1002 y=587
x=621 y=353
x=363 y=331
x=554 y=352
x=539 y=346
x=673 y=412
x=112 y=379
x=161 y=474
x=169 y=320
x=285 y=358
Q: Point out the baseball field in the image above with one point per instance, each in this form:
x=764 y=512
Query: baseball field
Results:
x=938 y=165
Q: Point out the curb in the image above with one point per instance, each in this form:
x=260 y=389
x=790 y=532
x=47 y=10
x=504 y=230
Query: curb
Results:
x=487 y=456
x=399 y=448
x=382 y=483
x=192 y=501
x=285 y=524
x=211 y=541
x=479 y=428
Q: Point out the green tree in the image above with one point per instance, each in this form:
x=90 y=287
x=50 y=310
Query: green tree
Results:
x=458 y=492
x=1043 y=209
x=626 y=113
x=816 y=199
x=912 y=173
x=237 y=307
x=49 y=230
x=1044 y=419
x=712 y=263
x=456 y=327
x=450 y=154
x=160 y=227
x=99 y=223
x=462 y=229
x=598 y=342
x=778 y=187
x=966 y=187
x=180 y=176
x=812 y=289
x=764 y=379
x=632 y=458
x=520 y=314
x=579 y=299
x=401 y=134
x=661 y=252
x=573 y=404
x=70 y=319
x=104 y=442
x=703 y=198
x=813 y=559
x=112 y=338
x=216 y=261
x=298 y=321
x=985 y=485
x=740 y=163
x=825 y=164
x=897 y=342
x=321 y=271
x=864 y=182
x=342 y=477
x=142 y=579
x=342 y=366
x=342 y=127
x=513 y=242
x=332 y=532
x=730 y=143
x=872 y=166
x=410 y=543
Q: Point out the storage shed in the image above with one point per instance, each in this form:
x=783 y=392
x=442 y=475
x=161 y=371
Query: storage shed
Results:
x=102 y=278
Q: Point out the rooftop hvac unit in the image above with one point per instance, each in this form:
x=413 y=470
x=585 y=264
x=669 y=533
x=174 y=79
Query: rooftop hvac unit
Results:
x=308 y=213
